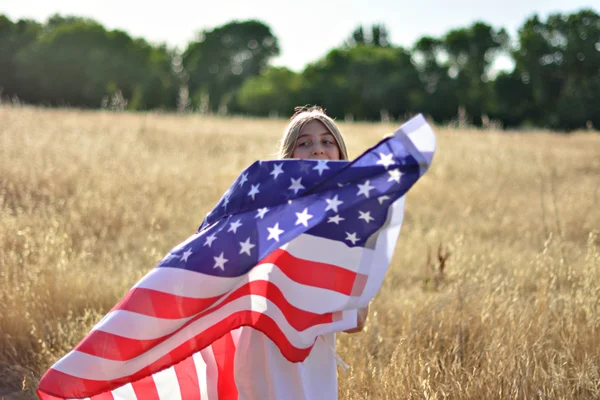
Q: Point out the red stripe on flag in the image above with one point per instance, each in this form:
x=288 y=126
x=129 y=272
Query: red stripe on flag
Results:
x=312 y=273
x=224 y=351
x=187 y=376
x=77 y=385
x=115 y=347
x=145 y=389
x=162 y=305
x=46 y=396
x=68 y=386
x=103 y=396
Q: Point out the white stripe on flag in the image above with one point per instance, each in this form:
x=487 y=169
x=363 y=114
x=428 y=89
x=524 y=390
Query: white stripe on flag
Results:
x=124 y=392
x=212 y=374
x=201 y=371
x=138 y=326
x=423 y=139
x=167 y=384
x=185 y=283
x=326 y=251
x=235 y=335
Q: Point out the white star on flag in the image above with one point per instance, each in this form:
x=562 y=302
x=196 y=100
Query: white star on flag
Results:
x=394 y=175
x=335 y=219
x=254 y=190
x=385 y=160
x=225 y=201
x=296 y=185
x=209 y=240
x=304 y=167
x=246 y=246
x=321 y=165
x=303 y=217
x=220 y=262
x=186 y=255
x=332 y=204
x=244 y=179
x=352 y=237
x=365 y=188
x=277 y=170
x=366 y=216
x=274 y=232
x=234 y=226
x=383 y=198
x=260 y=213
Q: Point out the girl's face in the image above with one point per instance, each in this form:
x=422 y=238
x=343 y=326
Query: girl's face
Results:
x=316 y=142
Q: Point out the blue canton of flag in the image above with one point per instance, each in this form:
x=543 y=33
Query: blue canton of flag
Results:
x=271 y=202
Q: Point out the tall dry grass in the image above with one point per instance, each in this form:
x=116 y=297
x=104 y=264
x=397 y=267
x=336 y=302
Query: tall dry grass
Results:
x=90 y=201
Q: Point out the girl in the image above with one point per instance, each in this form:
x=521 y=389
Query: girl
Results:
x=261 y=372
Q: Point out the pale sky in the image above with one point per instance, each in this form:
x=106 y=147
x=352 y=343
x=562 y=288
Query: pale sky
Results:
x=306 y=30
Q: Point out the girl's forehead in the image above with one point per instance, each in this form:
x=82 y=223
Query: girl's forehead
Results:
x=314 y=127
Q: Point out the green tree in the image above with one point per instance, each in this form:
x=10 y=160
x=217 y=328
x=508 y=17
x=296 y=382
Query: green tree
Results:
x=223 y=58
x=377 y=36
x=364 y=81
x=470 y=52
x=560 y=59
x=512 y=100
x=440 y=95
x=77 y=62
x=275 y=91
x=13 y=37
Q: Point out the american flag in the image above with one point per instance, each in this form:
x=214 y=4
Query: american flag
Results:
x=293 y=249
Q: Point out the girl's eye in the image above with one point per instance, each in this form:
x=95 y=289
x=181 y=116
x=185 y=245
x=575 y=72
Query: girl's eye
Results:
x=327 y=142
x=302 y=144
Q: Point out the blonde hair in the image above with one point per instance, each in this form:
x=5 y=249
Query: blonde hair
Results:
x=302 y=116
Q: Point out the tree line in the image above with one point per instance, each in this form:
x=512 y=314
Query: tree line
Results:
x=555 y=83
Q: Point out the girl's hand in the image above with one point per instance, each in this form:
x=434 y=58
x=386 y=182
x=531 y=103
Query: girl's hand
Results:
x=361 y=318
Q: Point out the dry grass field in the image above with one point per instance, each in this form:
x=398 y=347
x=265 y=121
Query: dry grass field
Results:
x=493 y=293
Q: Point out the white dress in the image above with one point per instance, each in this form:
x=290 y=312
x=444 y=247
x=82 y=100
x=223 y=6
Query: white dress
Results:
x=262 y=373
